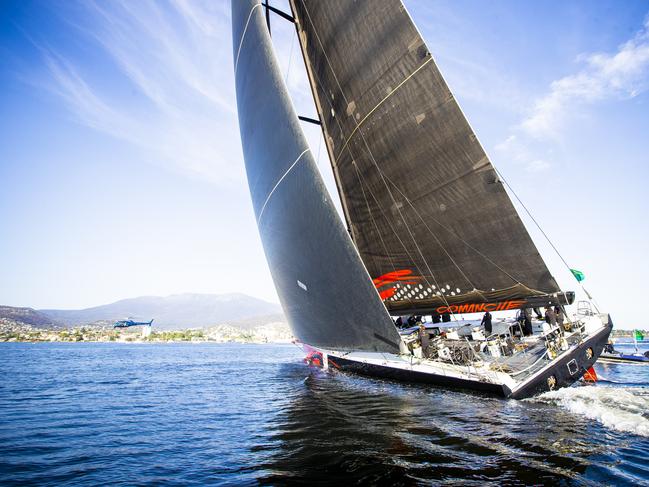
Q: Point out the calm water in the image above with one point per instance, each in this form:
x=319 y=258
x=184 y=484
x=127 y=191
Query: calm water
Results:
x=254 y=414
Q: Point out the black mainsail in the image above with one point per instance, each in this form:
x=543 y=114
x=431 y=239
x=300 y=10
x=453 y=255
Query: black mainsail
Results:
x=325 y=290
x=424 y=205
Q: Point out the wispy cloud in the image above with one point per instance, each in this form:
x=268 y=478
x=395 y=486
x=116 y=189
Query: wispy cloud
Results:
x=623 y=74
x=603 y=76
x=171 y=86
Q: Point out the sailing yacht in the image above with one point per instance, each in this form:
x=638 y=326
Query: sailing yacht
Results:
x=429 y=228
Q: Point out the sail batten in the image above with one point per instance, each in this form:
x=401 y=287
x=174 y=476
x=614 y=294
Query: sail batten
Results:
x=323 y=286
x=419 y=193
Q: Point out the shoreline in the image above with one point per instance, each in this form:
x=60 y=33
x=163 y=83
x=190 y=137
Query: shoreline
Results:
x=153 y=342
x=274 y=332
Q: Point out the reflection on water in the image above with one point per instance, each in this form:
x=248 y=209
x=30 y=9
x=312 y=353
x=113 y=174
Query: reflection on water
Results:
x=339 y=425
x=242 y=414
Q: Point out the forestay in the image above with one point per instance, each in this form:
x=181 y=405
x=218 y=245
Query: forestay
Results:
x=424 y=205
x=325 y=290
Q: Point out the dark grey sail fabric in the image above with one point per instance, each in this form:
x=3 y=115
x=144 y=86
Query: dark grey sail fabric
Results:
x=424 y=205
x=325 y=290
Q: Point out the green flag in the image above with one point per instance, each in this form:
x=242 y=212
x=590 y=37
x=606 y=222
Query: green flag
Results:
x=638 y=335
x=578 y=275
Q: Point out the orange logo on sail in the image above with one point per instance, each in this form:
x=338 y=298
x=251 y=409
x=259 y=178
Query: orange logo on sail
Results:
x=480 y=307
x=403 y=276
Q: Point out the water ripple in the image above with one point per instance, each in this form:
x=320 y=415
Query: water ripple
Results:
x=186 y=414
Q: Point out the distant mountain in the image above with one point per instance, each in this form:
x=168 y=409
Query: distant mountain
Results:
x=27 y=316
x=171 y=312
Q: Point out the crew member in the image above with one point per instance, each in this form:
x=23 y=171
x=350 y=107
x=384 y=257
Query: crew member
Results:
x=424 y=340
x=522 y=319
x=550 y=317
x=558 y=312
x=527 y=322
x=486 y=322
x=608 y=348
x=446 y=317
x=436 y=318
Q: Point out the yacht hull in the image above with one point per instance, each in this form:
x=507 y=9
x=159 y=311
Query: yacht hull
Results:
x=561 y=368
x=403 y=375
x=561 y=372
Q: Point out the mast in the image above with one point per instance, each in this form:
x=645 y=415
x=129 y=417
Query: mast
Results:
x=324 y=288
x=323 y=126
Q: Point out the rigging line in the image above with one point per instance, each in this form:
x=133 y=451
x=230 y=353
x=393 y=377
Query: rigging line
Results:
x=334 y=162
x=396 y=234
x=261 y=212
x=363 y=120
x=369 y=210
x=383 y=178
x=290 y=57
x=324 y=52
x=436 y=286
x=267 y=16
x=245 y=29
x=435 y=237
x=452 y=232
x=537 y=224
x=358 y=125
x=380 y=172
x=394 y=201
x=516 y=281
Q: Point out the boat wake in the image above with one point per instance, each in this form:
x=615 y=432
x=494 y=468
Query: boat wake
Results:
x=624 y=409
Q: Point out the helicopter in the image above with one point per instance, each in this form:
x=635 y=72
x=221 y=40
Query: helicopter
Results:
x=130 y=322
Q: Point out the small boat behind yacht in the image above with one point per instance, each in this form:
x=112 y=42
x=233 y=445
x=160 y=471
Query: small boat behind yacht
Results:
x=612 y=356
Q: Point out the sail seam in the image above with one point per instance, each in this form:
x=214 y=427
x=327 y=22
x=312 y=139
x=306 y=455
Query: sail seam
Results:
x=261 y=212
x=245 y=29
x=358 y=125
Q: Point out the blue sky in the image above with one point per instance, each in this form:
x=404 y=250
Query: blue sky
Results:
x=121 y=164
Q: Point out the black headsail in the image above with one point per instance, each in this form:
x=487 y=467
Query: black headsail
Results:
x=325 y=290
x=425 y=207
